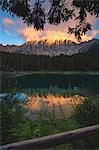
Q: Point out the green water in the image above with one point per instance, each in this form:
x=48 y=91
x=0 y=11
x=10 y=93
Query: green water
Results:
x=44 y=80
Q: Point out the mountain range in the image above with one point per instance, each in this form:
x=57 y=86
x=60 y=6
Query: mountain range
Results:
x=57 y=48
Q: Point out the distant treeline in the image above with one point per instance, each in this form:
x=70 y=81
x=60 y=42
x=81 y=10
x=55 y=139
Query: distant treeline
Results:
x=22 y=62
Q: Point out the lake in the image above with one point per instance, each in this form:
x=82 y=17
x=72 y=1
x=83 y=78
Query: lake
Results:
x=46 y=80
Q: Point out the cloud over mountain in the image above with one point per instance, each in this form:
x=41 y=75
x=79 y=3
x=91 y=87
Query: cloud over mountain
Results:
x=30 y=34
x=18 y=32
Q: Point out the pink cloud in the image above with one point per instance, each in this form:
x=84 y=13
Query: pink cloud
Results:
x=58 y=32
x=30 y=34
x=8 y=21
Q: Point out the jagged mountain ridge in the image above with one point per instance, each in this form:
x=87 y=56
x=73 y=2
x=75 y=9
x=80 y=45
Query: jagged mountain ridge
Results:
x=55 y=49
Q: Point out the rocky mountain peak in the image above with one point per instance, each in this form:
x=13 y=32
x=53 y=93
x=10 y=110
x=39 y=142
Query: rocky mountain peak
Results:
x=43 y=47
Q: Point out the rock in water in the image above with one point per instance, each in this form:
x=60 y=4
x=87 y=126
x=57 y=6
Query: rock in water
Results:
x=20 y=96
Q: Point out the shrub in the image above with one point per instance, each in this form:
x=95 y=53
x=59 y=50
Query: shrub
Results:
x=87 y=113
x=12 y=118
x=15 y=126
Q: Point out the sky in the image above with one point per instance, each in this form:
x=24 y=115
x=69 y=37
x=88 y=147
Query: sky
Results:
x=14 y=31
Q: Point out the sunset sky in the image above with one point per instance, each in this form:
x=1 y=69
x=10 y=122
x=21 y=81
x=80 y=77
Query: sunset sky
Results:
x=14 y=31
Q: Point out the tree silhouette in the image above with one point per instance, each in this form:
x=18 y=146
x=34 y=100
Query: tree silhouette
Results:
x=35 y=12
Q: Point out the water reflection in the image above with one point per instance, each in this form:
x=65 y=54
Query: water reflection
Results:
x=60 y=104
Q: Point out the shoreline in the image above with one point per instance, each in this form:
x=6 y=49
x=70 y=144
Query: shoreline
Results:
x=22 y=73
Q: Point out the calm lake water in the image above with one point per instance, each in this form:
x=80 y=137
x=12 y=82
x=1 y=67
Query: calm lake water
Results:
x=60 y=80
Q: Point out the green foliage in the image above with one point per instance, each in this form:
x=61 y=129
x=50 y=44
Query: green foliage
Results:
x=42 y=127
x=52 y=126
x=15 y=126
x=87 y=113
x=62 y=147
x=23 y=131
x=12 y=118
